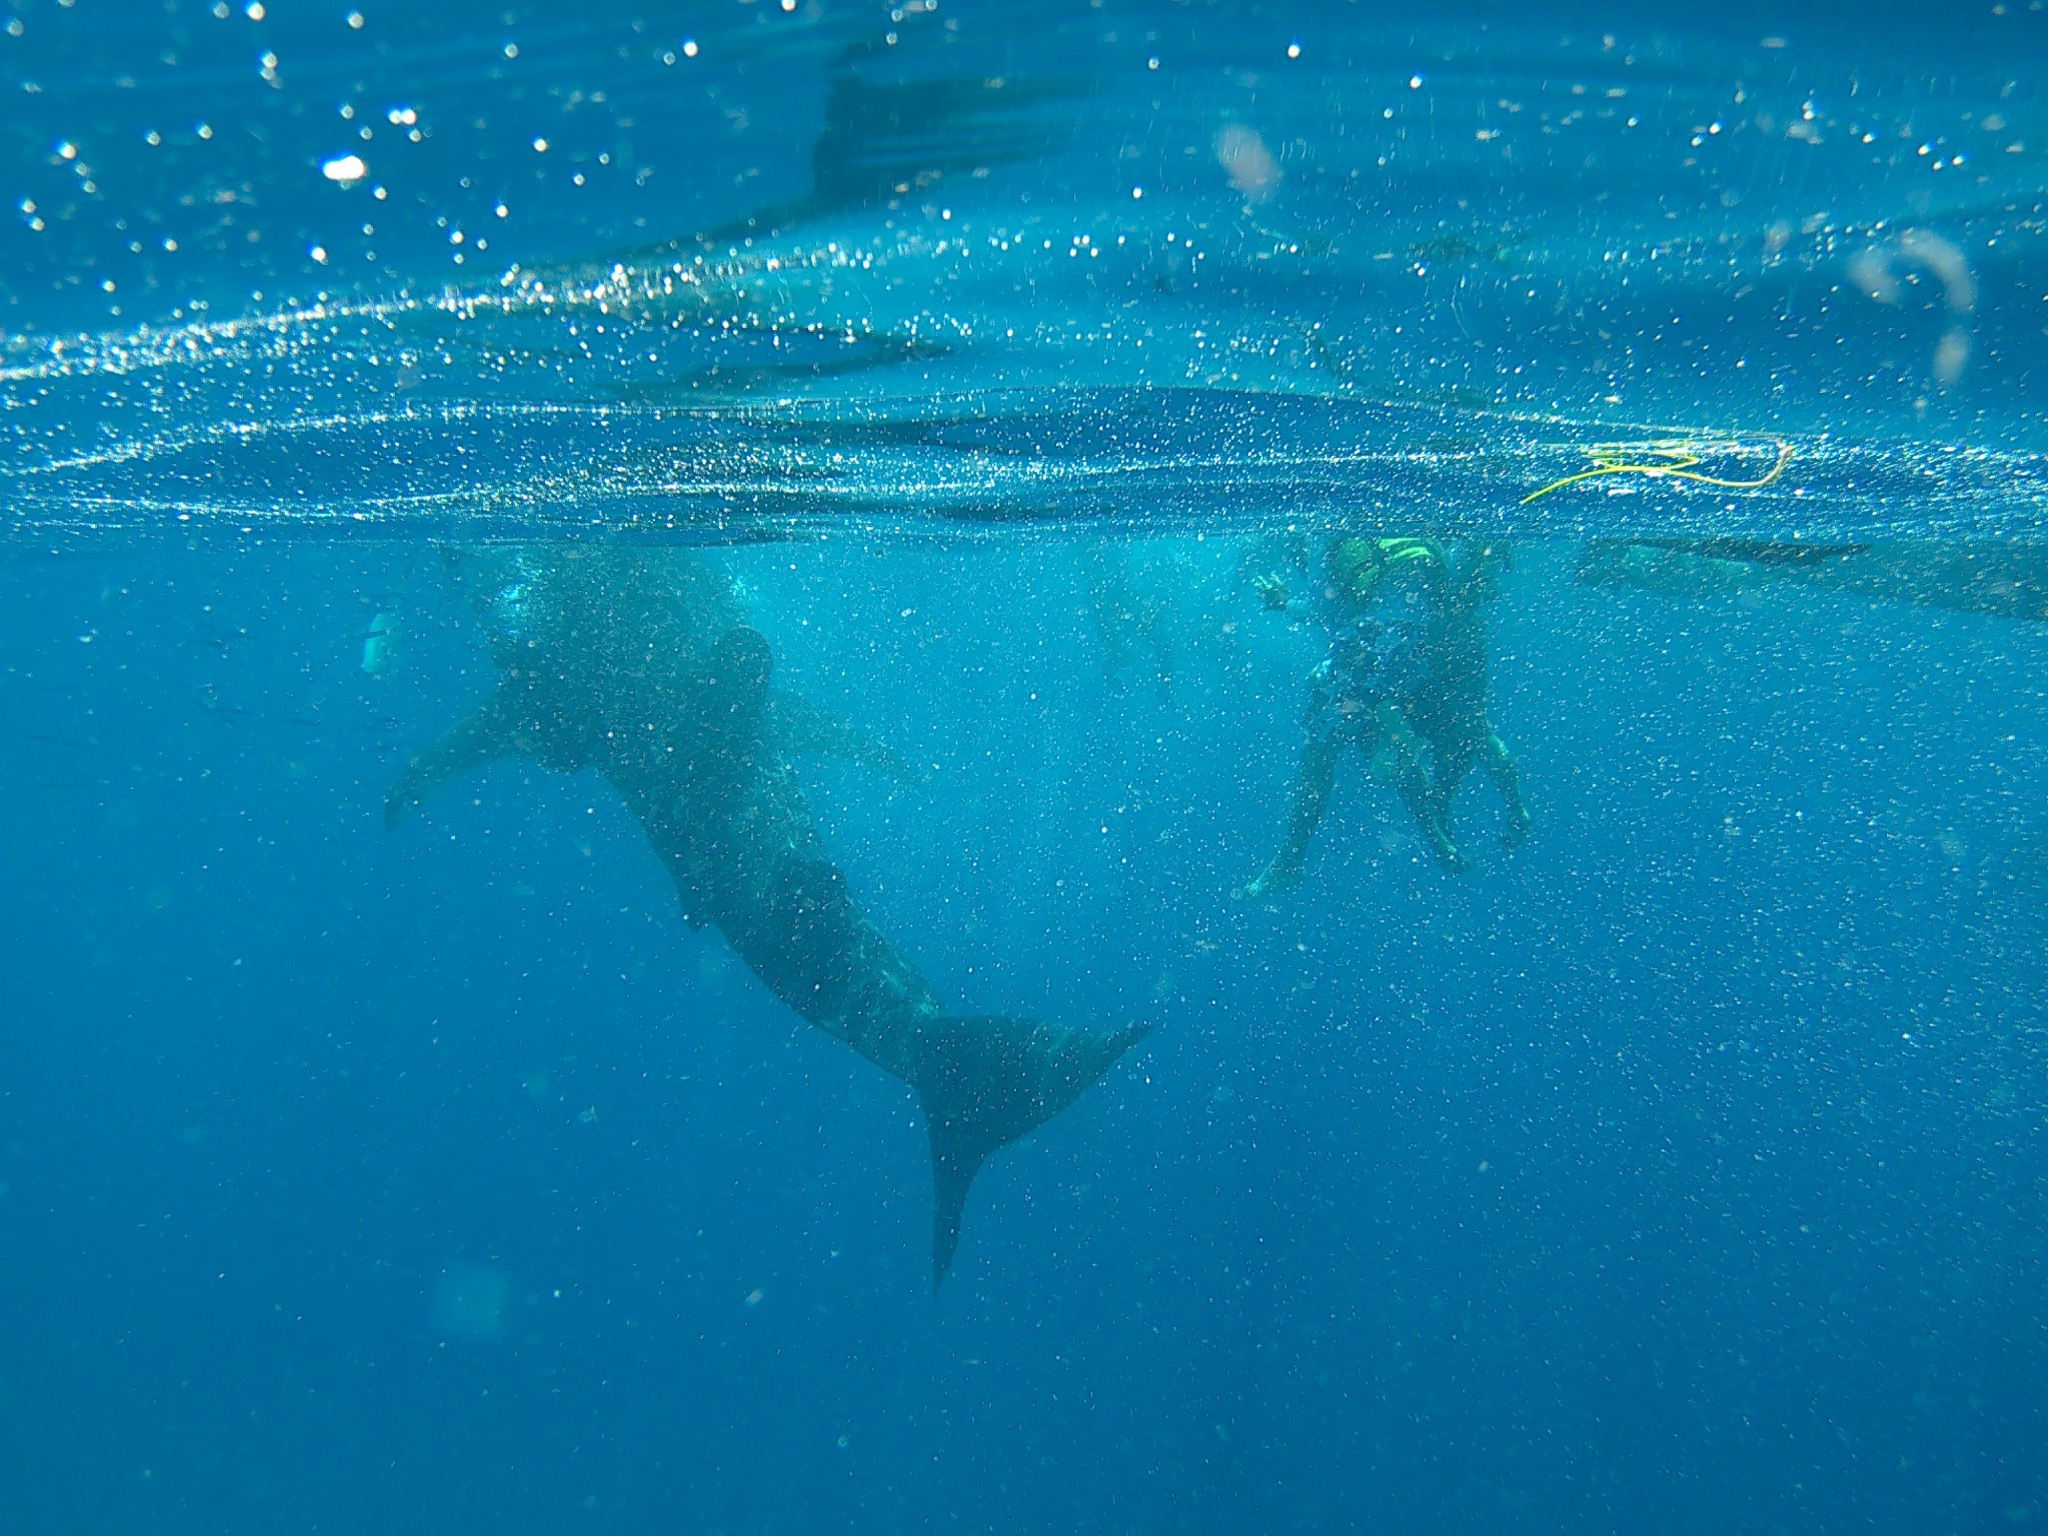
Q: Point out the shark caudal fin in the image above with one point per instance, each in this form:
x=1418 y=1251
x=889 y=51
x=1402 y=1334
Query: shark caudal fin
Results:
x=984 y=1083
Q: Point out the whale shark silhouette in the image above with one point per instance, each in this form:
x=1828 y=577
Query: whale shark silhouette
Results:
x=638 y=663
x=2001 y=579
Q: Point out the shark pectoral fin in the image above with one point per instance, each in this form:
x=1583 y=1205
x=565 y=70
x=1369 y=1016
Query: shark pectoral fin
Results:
x=798 y=727
x=405 y=794
x=484 y=737
x=984 y=1083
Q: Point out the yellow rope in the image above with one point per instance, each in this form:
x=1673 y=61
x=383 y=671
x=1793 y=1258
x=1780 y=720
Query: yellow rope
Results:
x=1671 y=458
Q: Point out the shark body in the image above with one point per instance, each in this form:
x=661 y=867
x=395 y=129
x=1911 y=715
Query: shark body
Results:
x=2001 y=579
x=639 y=665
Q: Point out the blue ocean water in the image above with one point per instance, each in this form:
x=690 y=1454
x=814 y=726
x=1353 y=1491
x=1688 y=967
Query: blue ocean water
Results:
x=1676 y=1170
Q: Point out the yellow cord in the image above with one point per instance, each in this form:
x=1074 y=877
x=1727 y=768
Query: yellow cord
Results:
x=1671 y=458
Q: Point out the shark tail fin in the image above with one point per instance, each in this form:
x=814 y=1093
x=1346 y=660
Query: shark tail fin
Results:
x=984 y=1083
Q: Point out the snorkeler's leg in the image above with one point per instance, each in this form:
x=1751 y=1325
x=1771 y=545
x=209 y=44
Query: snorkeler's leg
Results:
x=1450 y=764
x=1500 y=766
x=1311 y=797
x=1420 y=793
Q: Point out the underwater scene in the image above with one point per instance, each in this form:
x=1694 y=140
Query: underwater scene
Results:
x=1106 y=766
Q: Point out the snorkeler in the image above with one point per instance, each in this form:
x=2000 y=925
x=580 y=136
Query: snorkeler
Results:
x=1375 y=603
x=1448 y=711
x=1406 y=670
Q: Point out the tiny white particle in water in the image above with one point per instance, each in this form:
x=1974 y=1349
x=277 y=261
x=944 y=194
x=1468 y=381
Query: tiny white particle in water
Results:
x=346 y=169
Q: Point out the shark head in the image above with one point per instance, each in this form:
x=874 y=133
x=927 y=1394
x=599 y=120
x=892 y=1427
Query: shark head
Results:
x=506 y=586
